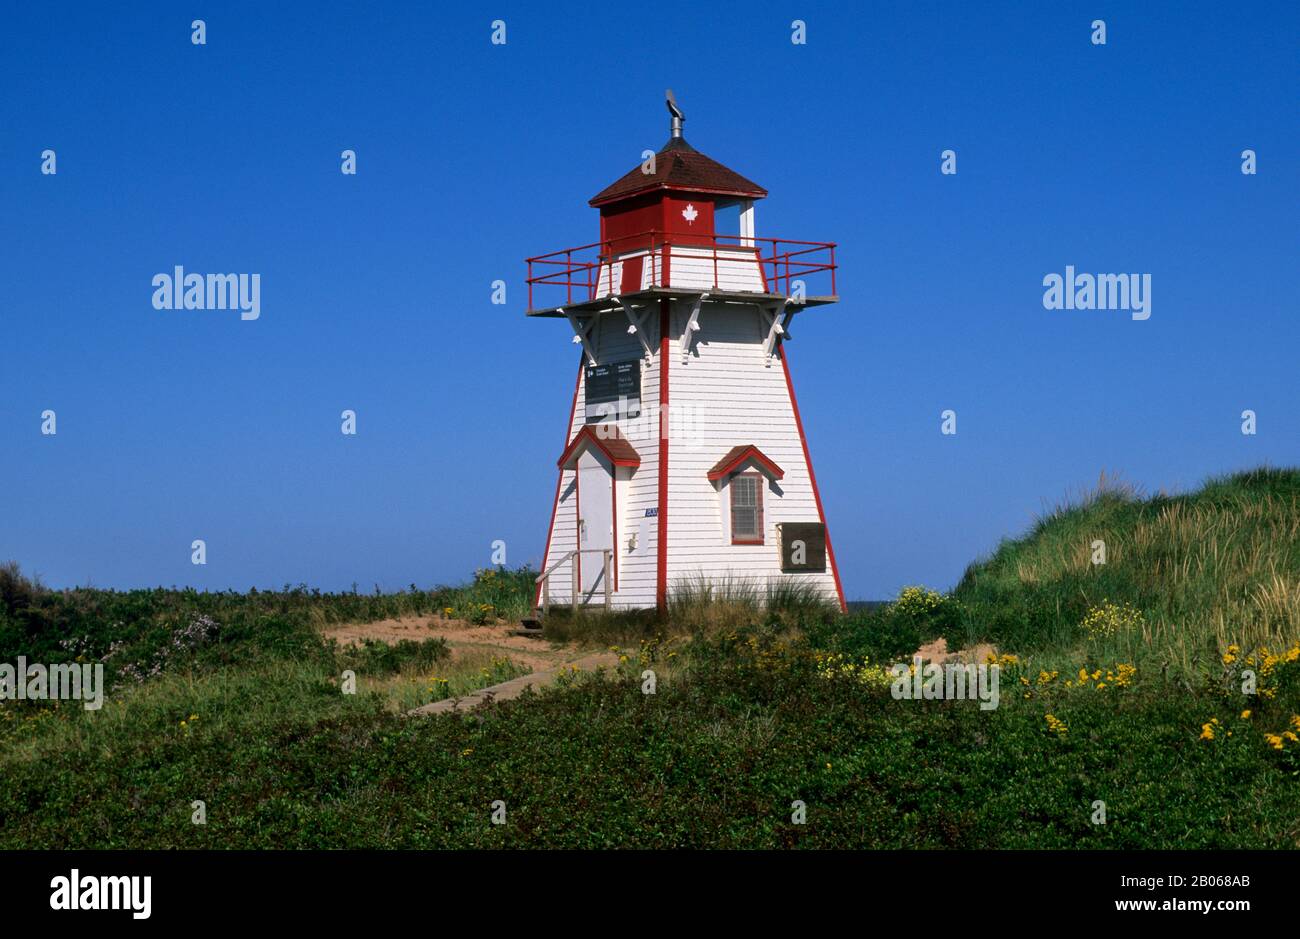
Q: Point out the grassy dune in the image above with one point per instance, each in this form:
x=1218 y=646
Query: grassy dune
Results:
x=1204 y=570
x=1160 y=689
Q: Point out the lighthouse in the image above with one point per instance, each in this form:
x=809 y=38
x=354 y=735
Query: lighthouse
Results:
x=684 y=458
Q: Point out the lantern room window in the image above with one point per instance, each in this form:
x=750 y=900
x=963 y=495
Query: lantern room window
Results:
x=746 y=508
x=726 y=217
x=734 y=217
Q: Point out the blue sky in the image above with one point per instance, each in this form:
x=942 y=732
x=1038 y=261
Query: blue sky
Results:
x=178 y=425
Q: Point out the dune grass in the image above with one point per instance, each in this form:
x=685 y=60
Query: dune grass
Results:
x=697 y=606
x=1203 y=570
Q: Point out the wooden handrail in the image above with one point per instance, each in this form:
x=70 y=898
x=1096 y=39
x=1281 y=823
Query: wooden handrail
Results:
x=544 y=578
x=547 y=573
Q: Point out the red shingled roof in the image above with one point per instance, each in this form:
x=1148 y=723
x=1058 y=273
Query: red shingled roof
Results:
x=738 y=455
x=680 y=166
x=604 y=437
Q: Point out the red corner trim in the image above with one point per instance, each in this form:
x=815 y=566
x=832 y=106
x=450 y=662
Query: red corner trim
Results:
x=798 y=422
x=661 y=580
x=559 y=478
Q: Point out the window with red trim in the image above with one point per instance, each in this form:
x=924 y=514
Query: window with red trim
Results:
x=746 y=508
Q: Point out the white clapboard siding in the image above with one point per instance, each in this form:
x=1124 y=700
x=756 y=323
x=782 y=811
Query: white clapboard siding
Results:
x=691 y=267
x=725 y=394
x=735 y=398
x=705 y=268
x=610 y=281
x=637 y=489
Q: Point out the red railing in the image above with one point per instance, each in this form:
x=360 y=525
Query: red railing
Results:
x=781 y=261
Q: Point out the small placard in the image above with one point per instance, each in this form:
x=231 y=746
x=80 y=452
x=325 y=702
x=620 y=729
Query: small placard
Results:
x=612 y=391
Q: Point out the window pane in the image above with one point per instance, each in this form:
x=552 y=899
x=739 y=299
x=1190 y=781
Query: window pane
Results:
x=744 y=507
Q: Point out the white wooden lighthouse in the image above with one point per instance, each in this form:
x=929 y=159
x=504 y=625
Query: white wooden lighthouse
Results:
x=684 y=457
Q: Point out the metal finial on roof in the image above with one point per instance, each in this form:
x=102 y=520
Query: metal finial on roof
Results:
x=676 y=112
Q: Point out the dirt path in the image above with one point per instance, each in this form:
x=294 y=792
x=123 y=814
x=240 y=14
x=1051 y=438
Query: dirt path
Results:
x=546 y=659
x=537 y=654
x=515 y=686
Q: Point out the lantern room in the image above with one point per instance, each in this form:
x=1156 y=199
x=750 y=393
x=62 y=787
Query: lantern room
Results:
x=680 y=220
x=678 y=197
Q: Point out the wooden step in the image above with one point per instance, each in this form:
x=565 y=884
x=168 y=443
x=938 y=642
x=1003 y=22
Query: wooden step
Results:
x=528 y=626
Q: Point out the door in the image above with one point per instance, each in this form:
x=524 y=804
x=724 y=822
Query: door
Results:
x=595 y=521
x=632 y=270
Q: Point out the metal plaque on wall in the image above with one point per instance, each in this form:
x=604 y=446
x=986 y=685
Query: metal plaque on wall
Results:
x=613 y=391
x=803 y=547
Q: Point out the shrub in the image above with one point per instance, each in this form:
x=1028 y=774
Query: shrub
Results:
x=917 y=602
x=1108 y=619
x=894 y=631
x=380 y=658
x=17 y=592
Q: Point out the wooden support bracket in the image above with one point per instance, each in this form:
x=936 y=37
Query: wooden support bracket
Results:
x=775 y=328
x=692 y=327
x=636 y=326
x=582 y=333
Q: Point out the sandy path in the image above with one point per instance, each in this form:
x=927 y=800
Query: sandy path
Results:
x=462 y=637
x=546 y=659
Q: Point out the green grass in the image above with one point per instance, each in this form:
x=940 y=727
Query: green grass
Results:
x=1205 y=569
x=413 y=686
x=139 y=634
x=747 y=718
x=715 y=758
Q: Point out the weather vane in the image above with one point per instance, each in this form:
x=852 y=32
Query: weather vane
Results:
x=676 y=112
